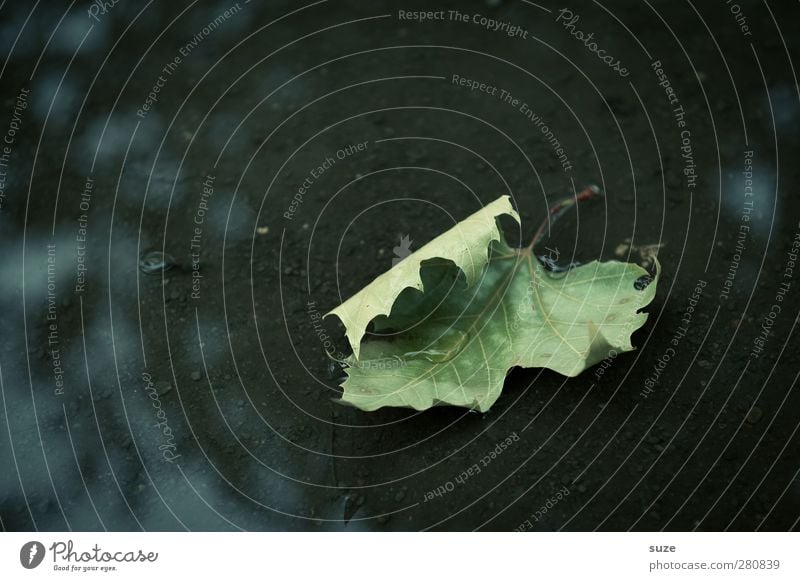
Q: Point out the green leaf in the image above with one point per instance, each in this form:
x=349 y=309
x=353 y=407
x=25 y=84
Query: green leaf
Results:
x=454 y=317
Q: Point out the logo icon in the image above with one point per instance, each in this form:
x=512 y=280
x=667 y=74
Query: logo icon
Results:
x=402 y=251
x=31 y=554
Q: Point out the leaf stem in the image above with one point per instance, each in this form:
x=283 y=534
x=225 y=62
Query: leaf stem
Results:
x=559 y=209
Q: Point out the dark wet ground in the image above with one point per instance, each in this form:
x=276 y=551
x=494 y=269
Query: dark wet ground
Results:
x=199 y=397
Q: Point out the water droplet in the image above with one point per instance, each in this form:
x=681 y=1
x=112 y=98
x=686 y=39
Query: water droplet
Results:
x=155 y=262
x=443 y=343
x=550 y=264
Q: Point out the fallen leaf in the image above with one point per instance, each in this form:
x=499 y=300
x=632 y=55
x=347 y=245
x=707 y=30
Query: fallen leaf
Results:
x=454 y=317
